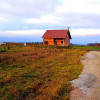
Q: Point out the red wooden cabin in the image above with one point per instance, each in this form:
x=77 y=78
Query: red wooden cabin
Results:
x=57 y=37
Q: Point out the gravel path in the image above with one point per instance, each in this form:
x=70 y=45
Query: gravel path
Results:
x=87 y=86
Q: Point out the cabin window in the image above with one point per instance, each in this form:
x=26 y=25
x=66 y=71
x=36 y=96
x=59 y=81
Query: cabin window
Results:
x=61 y=41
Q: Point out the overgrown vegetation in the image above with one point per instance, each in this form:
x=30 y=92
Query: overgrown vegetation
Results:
x=38 y=72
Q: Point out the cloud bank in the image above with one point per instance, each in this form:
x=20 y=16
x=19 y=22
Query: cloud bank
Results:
x=17 y=33
x=56 y=12
x=36 y=32
x=4 y=20
x=72 y=13
x=27 y=8
x=85 y=32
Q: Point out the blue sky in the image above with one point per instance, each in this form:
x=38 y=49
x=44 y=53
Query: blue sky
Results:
x=27 y=20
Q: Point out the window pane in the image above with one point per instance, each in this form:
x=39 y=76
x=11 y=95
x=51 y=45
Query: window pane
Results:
x=61 y=41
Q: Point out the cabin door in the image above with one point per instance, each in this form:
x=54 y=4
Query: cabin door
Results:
x=55 y=42
x=45 y=42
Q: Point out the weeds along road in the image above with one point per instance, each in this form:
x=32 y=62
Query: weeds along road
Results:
x=87 y=86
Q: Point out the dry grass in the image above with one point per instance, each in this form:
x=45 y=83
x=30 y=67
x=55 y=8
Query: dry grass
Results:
x=38 y=72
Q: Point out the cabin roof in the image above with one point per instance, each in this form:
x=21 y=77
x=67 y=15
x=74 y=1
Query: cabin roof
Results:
x=56 y=34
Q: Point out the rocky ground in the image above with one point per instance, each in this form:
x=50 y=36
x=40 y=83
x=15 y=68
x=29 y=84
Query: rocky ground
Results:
x=87 y=86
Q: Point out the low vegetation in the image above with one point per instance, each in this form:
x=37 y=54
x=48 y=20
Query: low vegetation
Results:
x=87 y=47
x=37 y=72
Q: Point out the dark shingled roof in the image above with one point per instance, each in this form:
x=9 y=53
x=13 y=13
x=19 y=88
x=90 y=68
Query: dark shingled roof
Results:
x=56 y=34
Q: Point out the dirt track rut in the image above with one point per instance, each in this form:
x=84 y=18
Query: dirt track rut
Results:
x=87 y=86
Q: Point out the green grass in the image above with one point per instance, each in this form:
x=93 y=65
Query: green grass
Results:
x=86 y=47
x=39 y=72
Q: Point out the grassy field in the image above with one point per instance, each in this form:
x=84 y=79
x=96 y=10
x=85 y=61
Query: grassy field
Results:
x=87 y=47
x=37 y=72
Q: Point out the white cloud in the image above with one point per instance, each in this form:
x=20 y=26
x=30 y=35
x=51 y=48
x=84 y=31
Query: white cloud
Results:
x=22 y=33
x=37 y=32
x=85 y=32
x=4 y=20
x=48 y=19
x=79 y=12
x=27 y=8
x=71 y=13
x=80 y=6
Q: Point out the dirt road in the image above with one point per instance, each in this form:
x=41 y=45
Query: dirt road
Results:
x=87 y=86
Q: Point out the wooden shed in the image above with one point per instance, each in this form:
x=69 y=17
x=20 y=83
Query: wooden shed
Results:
x=57 y=37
